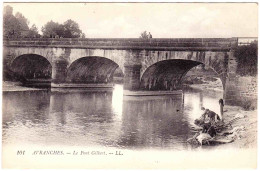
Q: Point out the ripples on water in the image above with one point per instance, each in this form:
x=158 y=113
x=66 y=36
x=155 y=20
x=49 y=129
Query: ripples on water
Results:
x=103 y=118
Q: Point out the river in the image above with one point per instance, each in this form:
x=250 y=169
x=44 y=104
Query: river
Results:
x=103 y=119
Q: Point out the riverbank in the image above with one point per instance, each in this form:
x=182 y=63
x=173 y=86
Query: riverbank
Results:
x=214 y=84
x=16 y=86
x=241 y=132
x=247 y=122
x=247 y=138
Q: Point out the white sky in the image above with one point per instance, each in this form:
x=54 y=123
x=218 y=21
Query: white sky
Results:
x=163 y=20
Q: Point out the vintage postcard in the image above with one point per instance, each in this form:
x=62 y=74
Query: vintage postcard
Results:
x=129 y=85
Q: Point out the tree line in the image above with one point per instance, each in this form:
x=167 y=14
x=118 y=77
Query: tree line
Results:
x=17 y=26
x=246 y=57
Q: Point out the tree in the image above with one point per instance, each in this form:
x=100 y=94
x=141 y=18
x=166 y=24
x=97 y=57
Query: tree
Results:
x=71 y=29
x=52 y=29
x=34 y=28
x=246 y=57
x=23 y=21
x=83 y=36
x=144 y=35
x=25 y=32
x=11 y=25
x=33 y=31
x=15 y=26
x=8 y=10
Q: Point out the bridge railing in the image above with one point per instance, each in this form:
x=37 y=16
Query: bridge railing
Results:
x=247 y=40
x=133 y=43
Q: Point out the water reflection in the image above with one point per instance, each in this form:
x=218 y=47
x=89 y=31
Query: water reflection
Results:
x=101 y=118
x=117 y=100
x=153 y=122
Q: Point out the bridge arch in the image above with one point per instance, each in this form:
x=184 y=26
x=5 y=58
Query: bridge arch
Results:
x=91 y=69
x=217 y=61
x=166 y=74
x=31 y=66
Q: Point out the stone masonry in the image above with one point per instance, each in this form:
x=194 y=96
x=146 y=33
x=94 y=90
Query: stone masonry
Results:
x=142 y=61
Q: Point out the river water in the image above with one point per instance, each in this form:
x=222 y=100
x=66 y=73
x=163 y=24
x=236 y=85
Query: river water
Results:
x=103 y=119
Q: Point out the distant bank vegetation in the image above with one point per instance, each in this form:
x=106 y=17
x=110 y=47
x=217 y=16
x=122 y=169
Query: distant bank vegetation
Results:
x=17 y=26
x=246 y=57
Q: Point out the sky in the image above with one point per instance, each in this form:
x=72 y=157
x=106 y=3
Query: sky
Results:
x=163 y=20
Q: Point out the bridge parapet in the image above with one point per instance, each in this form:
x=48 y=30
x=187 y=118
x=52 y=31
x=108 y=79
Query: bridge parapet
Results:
x=218 y=44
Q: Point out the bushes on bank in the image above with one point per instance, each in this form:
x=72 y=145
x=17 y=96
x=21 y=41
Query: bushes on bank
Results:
x=247 y=59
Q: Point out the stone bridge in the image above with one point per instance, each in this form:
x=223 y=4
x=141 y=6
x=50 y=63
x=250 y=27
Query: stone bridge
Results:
x=154 y=64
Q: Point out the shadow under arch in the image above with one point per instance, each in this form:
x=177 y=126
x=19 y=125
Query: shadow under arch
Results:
x=93 y=69
x=31 y=66
x=167 y=74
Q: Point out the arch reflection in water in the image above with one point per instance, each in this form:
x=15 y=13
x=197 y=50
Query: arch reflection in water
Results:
x=86 y=117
